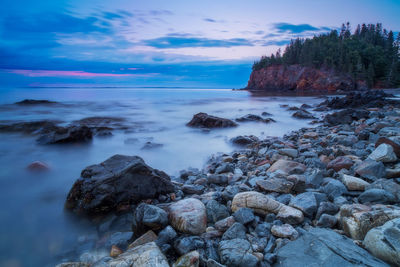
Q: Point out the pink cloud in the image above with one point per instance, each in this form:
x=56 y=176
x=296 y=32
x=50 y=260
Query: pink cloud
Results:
x=63 y=73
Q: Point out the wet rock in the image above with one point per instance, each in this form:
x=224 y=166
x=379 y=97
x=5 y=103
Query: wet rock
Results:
x=63 y=135
x=284 y=231
x=219 y=179
x=148 y=217
x=273 y=184
x=188 y=216
x=303 y=114
x=224 y=224
x=383 y=242
x=371 y=169
x=147 y=237
x=73 y=264
x=193 y=189
x=244 y=215
x=353 y=183
x=115 y=251
x=225 y=167
x=340 y=163
x=119 y=239
x=190 y=259
x=252 y=117
x=327 y=221
x=204 y=120
x=150 y=145
x=145 y=255
x=186 y=244
x=392 y=142
x=33 y=102
x=324 y=247
x=358 y=219
x=120 y=180
x=305 y=202
x=38 y=166
x=244 y=140
x=262 y=204
x=377 y=196
x=288 y=167
x=334 y=188
x=386 y=184
x=237 y=253
x=328 y=208
x=237 y=230
x=383 y=153
x=289 y=152
x=216 y=211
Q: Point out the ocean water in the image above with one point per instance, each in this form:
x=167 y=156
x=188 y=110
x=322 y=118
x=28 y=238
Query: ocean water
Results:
x=34 y=228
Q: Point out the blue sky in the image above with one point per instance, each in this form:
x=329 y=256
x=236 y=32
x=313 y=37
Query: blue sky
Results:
x=161 y=43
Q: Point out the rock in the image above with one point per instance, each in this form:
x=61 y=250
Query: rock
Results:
x=190 y=259
x=225 y=167
x=273 y=184
x=244 y=140
x=392 y=142
x=207 y=121
x=224 y=224
x=219 y=179
x=145 y=255
x=353 y=183
x=358 y=219
x=33 y=102
x=237 y=253
x=303 y=114
x=120 y=180
x=244 y=215
x=184 y=245
x=213 y=263
x=188 y=216
x=216 y=211
x=386 y=184
x=73 y=264
x=383 y=153
x=328 y=208
x=166 y=236
x=334 y=188
x=324 y=247
x=38 y=166
x=262 y=204
x=148 y=217
x=289 y=152
x=252 y=117
x=284 y=231
x=237 y=230
x=310 y=135
x=63 y=135
x=383 y=242
x=288 y=167
x=119 y=239
x=327 y=221
x=377 y=196
x=305 y=202
x=115 y=251
x=147 y=237
x=371 y=169
x=193 y=189
x=150 y=145
x=340 y=163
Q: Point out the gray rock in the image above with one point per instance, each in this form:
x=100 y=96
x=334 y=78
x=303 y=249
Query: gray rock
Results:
x=193 y=189
x=237 y=253
x=275 y=184
x=225 y=167
x=166 y=236
x=244 y=140
x=388 y=185
x=383 y=153
x=148 y=217
x=305 y=202
x=371 y=169
x=384 y=242
x=377 y=196
x=327 y=221
x=203 y=120
x=328 y=208
x=263 y=229
x=119 y=239
x=216 y=211
x=244 y=215
x=314 y=179
x=219 y=179
x=324 y=247
x=237 y=230
x=334 y=188
x=291 y=152
x=186 y=244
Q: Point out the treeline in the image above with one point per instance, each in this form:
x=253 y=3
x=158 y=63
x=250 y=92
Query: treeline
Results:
x=371 y=54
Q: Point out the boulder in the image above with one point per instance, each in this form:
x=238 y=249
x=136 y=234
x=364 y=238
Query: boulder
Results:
x=288 y=167
x=188 y=216
x=324 y=247
x=353 y=183
x=244 y=140
x=236 y=253
x=203 y=120
x=145 y=255
x=263 y=205
x=38 y=166
x=303 y=114
x=117 y=182
x=383 y=242
x=383 y=153
x=63 y=135
x=358 y=219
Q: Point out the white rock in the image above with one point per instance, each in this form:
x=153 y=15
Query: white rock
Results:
x=383 y=153
x=353 y=183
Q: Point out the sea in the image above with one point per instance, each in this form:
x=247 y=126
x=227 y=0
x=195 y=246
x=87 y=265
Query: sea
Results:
x=35 y=229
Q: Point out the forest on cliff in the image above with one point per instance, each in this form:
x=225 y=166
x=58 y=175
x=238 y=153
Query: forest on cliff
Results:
x=371 y=54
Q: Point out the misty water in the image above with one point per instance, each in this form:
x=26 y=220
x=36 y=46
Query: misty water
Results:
x=34 y=228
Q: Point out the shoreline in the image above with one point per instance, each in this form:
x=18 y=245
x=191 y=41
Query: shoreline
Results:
x=273 y=194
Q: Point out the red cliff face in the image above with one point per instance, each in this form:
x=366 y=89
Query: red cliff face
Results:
x=296 y=77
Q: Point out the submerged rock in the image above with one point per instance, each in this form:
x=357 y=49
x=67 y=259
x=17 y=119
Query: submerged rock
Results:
x=252 y=117
x=62 y=135
x=32 y=102
x=208 y=121
x=120 y=180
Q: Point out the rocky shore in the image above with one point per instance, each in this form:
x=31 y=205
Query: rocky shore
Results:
x=327 y=195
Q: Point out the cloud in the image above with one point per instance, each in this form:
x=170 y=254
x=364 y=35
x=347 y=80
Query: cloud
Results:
x=282 y=27
x=181 y=42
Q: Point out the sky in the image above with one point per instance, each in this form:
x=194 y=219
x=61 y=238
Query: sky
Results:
x=166 y=43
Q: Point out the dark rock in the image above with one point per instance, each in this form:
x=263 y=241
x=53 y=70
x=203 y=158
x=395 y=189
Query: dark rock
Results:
x=33 y=127
x=327 y=221
x=377 y=196
x=148 y=217
x=33 y=102
x=216 y=211
x=244 y=140
x=63 y=135
x=208 y=121
x=166 y=236
x=236 y=253
x=244 y=215
x=340 y=163
x=334 y=188
x=324 y=247
x=303 y=114
x=386 y=184
x=225 y=167
x=219 y=179
x=371 y=169
x=119 y=239
x=237 y=230
x=193 y=189
x=186 y=244
x=346 y=116
x=263 y=229
x=252 y=117
x=305 y=202
x=212 y=250
x=273 y=184
x=118 y=181
x=150 y=145
x=328 y=208
x=38 y=166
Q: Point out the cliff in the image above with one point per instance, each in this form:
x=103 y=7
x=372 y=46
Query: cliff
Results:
x=298 y=78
